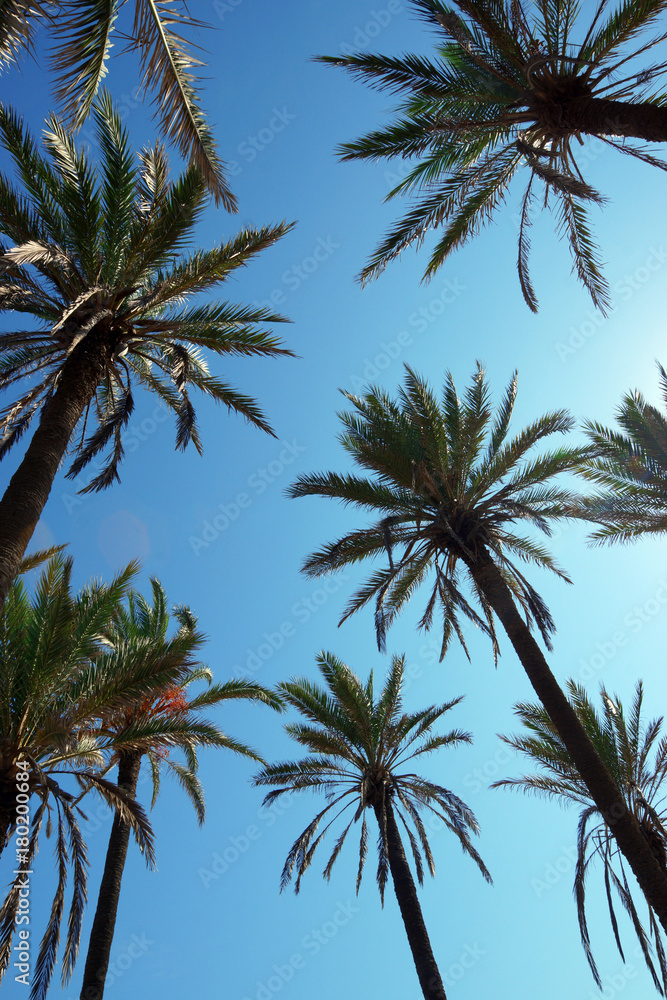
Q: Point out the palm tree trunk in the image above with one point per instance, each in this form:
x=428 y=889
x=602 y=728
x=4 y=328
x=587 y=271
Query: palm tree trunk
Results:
x=29 y=488
x=7 y=816
x=101 y=935
x=605 y=793
x=8 y=802
x=595 y=116
x=408 y=901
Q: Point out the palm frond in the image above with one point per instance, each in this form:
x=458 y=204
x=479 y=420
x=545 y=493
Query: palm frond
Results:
x=166 y=63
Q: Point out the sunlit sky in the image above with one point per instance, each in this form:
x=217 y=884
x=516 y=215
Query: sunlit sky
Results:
x=211 y=920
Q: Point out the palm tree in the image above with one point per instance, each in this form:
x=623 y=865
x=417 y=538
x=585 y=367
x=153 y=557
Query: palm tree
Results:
x=626 y=744
x=152 y=728
x=508 y=90
x=449 y=487
x=632 y=469
x=357 y=746
x=96 y=257
x=55 y=677
x=82 y=34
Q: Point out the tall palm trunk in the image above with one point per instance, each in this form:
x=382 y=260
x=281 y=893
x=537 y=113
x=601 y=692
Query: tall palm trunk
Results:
x=408 y=901
x=652 y=878
x=101 y=935
x=29 y=488
x=596 y=116
x=7 y=812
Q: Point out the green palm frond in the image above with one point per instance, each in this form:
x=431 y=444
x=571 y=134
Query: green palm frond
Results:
x=38 y=557
x=236 y=689
x=572 y=221
x=82 y=44
x=126 y=806
x=17 y=29
x=166 y=63
x=191 y=785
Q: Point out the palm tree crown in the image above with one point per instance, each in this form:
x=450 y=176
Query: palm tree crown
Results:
x=448 y=486
x=631 y=468
x=636 y=757
x=358 y=745
x=97 y=253
x=97 y=256
x=82 y=36
x=509 y=89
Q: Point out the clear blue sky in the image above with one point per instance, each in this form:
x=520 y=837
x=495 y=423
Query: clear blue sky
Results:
x=189 y=929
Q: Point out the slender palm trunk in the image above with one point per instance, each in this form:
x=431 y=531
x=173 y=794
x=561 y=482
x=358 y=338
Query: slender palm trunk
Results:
x=605 y=793
x=101 y=935
x=408 y=901
x=29 y=488
x=596 y=116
